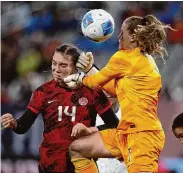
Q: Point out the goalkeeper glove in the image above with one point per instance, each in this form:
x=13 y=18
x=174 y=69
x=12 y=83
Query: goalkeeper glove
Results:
x=74 y=81
x=85 y=61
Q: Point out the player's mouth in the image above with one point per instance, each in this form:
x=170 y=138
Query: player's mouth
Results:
x=57 y=77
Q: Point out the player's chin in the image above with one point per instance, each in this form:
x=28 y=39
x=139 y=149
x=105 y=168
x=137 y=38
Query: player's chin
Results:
x=61 y=82
x=58 y=79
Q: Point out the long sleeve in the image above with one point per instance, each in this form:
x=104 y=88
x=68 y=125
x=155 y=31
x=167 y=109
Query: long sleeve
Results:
x=109 y=88
x=25 y=122
x=117 y=66
x=110 y=119
x=34 y=107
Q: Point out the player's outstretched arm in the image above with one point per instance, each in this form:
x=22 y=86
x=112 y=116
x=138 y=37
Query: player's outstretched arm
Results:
x=21 y=125
x=118 y=66
x=86 y=64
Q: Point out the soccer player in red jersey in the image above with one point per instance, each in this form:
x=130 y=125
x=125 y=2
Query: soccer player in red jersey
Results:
x=67 y=113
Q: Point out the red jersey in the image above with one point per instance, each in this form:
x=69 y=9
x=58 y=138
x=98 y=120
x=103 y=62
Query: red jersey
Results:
x=61 y=109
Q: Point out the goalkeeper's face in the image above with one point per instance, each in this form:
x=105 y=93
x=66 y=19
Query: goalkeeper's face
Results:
x=126 y=40
x=62 y=66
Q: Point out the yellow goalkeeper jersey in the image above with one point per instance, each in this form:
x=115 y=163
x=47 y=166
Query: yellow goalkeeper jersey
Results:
x=135 y=80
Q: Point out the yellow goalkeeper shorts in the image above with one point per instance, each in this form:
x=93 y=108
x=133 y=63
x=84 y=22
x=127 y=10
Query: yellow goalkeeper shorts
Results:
x=140 y=150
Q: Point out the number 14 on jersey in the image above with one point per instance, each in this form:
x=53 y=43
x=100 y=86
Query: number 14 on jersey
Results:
x=65 y=111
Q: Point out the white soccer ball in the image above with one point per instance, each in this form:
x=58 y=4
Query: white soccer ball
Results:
x=97 y=25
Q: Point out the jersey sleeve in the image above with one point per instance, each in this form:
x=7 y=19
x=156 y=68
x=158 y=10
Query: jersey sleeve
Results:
x=110 y=88
x=36 y=103
x=101 y=102
x=118 y=66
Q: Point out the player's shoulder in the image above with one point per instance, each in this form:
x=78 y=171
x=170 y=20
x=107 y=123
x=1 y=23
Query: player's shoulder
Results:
x=127 y=53
x=119 y=58
x=46 y=86
x=128 y=56
x=121 y=55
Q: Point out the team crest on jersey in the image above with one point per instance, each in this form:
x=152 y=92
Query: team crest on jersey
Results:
x=83 y=101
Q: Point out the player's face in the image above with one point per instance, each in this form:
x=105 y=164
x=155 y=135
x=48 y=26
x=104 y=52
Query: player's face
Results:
x=62 y=66
x=178 y=132
x=126 y=40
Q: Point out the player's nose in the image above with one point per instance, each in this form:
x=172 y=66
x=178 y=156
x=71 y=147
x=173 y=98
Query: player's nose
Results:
x=120 y=35
x=57 y=68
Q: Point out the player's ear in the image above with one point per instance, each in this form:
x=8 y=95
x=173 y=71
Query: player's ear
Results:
x=133 y=38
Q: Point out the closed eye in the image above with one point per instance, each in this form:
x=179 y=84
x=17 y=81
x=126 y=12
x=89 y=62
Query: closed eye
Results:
x=63 y=64
x=54 y=63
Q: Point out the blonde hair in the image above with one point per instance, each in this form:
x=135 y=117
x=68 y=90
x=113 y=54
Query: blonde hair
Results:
x=150 y=33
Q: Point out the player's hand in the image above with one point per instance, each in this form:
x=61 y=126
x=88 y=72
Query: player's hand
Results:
x=85 y=61
x=80 y=130
x=74 y=81
x=7 y=121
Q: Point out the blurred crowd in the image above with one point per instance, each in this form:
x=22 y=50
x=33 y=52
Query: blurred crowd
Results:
x=30 y=31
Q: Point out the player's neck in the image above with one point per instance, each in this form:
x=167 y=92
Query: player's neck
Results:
x=131 y=46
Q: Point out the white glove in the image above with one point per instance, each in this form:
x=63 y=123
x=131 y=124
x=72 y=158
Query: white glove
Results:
x=74 y=81
x=85 y=61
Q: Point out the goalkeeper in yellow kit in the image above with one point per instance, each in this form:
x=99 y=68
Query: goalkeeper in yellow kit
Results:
x=132 y=75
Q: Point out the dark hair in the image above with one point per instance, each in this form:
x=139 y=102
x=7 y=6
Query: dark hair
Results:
x=177 y=121
x=150 y=33
x=69 y=49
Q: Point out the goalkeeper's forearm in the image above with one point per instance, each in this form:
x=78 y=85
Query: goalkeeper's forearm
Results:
x=114 y=100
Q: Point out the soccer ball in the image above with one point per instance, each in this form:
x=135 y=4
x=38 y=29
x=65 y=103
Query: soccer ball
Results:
x=97 y=25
